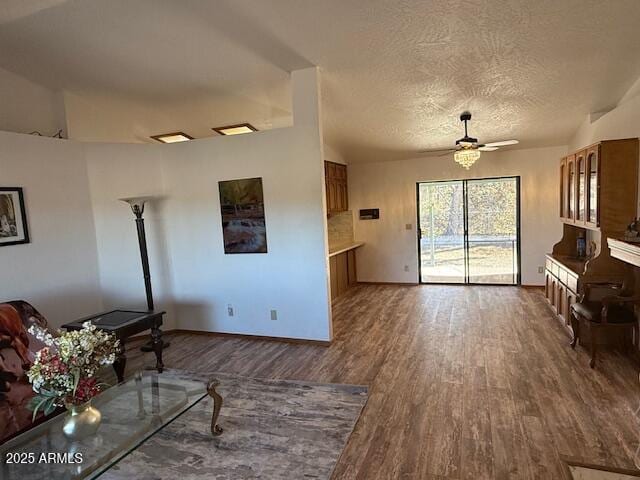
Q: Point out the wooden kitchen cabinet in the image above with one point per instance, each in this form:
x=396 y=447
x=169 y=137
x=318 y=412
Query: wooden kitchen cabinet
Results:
x=351 y=268
x=336 y=187
x=561 y=286
x=549 y=287
x=342 y=271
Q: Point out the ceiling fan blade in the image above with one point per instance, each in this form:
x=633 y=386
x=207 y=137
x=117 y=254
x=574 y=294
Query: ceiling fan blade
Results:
x=446 y=150
x=486 y=148
x=503 y=143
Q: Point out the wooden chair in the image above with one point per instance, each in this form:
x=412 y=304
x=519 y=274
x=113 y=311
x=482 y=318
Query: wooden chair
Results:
x=613 y=310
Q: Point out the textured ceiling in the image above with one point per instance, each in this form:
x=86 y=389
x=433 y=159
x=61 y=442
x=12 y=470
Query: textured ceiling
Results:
x=396 y=73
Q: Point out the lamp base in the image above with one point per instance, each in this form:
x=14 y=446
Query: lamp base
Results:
x=148 y=347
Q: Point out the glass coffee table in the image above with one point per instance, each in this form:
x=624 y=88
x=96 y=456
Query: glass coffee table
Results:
x=132 y=412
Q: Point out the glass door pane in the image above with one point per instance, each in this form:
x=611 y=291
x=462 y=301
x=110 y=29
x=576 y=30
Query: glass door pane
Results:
x=572 y=188
x=492 y=217
x=441 y=224
x=562 y=177
x=593 y=187
x=581 y=213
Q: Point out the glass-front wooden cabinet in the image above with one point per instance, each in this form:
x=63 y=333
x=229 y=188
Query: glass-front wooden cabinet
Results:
x=580 y=188
x=593 y=187
x=598 y=189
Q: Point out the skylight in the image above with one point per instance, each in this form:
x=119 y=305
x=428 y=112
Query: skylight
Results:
x=236 y=129
x=174 y=137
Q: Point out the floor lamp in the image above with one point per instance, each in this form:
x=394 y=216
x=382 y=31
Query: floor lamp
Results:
x=137 y=207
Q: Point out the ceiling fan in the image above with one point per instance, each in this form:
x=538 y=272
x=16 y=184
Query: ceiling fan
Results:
x=467 y=149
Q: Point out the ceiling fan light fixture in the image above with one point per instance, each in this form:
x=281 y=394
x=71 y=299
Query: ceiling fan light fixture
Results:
x=466 y=157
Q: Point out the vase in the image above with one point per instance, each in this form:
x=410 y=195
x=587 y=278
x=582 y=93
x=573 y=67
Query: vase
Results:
x=81 y=421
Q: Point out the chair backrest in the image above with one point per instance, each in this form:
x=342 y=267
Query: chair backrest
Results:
x=629 y=282
x=17 y=352
x=28 y=314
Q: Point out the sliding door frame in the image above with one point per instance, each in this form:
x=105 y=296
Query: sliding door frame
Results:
x=465 y=213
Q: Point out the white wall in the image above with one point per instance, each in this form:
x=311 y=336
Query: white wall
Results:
x=621 y=122
x=100 y=118
x=391 y=187
x=26 y=106
x=118 y=171
x=333 y=155
x=57 y=272
x=84 y=254
x=192 y=276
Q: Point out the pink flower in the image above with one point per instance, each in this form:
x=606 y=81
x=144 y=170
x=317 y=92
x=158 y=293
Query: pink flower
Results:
x=86 y=390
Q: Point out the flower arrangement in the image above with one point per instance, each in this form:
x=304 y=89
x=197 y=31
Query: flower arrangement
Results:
x=64 y=370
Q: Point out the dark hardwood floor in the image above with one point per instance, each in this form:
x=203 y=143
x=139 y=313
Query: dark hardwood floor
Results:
x=465 y=383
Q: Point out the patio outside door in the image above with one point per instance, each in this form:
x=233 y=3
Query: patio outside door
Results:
x=469 y=231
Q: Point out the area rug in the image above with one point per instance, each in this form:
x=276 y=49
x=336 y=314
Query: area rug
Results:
x=588 y=472
x=272 y=430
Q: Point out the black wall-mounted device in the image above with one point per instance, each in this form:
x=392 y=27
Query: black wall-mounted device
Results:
x=370 y=214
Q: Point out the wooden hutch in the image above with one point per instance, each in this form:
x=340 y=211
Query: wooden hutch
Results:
x=598 y=198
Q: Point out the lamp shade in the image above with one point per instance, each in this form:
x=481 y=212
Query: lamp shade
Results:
x=466 y=157
x=137 y=201
x=137 y=204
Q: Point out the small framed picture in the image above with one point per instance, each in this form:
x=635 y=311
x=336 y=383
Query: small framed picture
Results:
x=13 y=217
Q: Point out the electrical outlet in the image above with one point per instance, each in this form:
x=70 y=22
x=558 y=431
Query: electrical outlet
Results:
x=408 y=226
x=274 y=314
x=230 y=310
x=406 y=268
x=540 y=269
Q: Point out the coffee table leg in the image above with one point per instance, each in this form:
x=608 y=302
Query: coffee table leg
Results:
x=121 y=362
x=156 y=343
x=217 y=406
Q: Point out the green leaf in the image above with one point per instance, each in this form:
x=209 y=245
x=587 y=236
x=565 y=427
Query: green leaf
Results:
x=41 y=401
x=50 y=406
x=76 y=380
x=47 y=393
x=33 y=402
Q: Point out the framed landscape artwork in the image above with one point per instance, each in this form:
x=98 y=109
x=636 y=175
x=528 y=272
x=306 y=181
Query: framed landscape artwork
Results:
x=13 y=217
x=243 y=225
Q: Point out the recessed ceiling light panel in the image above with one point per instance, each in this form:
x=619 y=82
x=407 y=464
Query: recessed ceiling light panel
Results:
x=174 y=137
x=236 y=129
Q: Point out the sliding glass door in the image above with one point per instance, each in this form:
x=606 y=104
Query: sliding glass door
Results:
x=469 y=231
x=441 y=221
x=492 y=226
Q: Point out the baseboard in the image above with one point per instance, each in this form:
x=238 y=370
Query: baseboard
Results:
x=415 y=284
x=174 y=331
x=322 y=343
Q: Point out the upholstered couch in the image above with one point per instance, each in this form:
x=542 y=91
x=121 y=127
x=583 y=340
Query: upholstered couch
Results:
x=17 y=349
